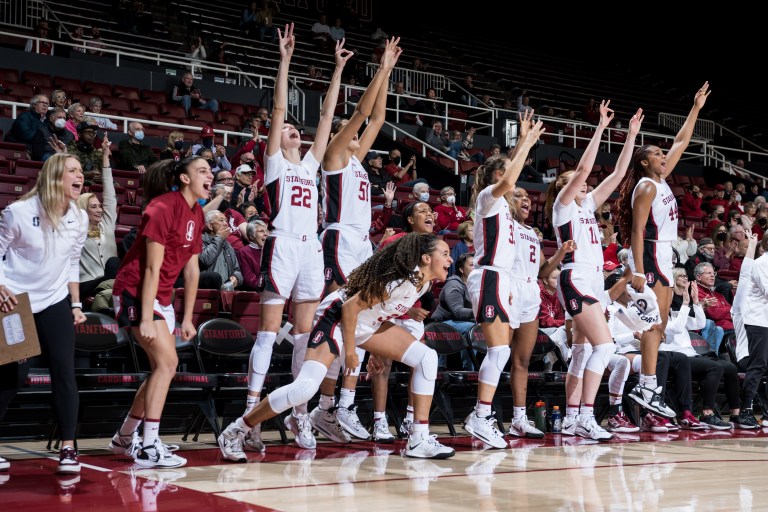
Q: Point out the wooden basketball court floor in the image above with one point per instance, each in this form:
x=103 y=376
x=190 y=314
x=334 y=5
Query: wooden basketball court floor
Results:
x=680 y=471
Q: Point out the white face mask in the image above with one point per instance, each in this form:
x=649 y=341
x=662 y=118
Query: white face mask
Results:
x=424 y=197
x=450 y=199
x=60 y=123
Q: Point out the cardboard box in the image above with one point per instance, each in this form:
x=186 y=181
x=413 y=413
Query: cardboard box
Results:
x=18 y=335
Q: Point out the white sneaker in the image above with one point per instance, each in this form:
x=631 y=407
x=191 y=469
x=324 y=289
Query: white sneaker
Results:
x=328 y=424
x=252 y=441
x=485 y=429
x=231 y=443
x=381 y=433
x=125 y=445
x=422 y=445
x=652 y=400
x=349 y=421
x=569 y=426
x=301 y=429
x=405 y=428
x=4 y=464
x=522 y=428
x=157 y=456
x=587 y=427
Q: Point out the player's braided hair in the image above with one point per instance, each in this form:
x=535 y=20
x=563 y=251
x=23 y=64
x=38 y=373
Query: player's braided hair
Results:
x=394 y=262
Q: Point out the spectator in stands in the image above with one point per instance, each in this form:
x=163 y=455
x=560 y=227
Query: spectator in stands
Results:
x=196 y=53
x=432 y=108
x=90 y=158
x=524 y=104
x=249 y=256
x=752 y=193
x=716 y=307
x=719 y=197
x=95 y=105
x=266 y=122
x=174 y=149
x=716 y=217
x=248 y=19
x=95 y=46
x=132 y=153
x=207 y=154
x=406 y=175
x=690 y=205
x=252 y=150
x=26 y=124
x=448 y=214
x=41 y=237
x=454 y=307
x=59 y=99
x=466 y=234
x=221 y=200
x=737 y=259
x=420 y=192
x=247 y=187
x=551 y=314
x=591 y=113
x=376 y=176
x=75 y=116
x=76 y=38
x=379 y=35
x=685 y=247
x=41 y=47
x=321 y=33
x=337 y=31
x=98 y=259
x=52 y=132
x=218 y=255
x=218 y=152
x=529 y=172
x=315 y=79
x=248 y=210
x=761 y=224
x=437 y=138
x=265 y=19
x=189 y=96
x=747 y=219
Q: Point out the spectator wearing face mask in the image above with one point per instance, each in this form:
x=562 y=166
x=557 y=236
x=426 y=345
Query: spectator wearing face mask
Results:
x=54 y=128
x=132 y=153
x=449 y=215
x=405 y=175
x=219 y=154
x=761 y=224
x=717 y=216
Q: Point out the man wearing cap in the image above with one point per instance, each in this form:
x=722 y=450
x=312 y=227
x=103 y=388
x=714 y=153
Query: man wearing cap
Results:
x=719 y=197
x=132 y=153
x=90 y=158
x=376 y=175
x=219 y=153
x=608 y=268
x=247 y=187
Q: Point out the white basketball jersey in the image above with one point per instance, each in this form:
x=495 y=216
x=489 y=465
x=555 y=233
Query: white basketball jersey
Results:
x=494 y=232
x=662 y=219
x=402 y=296
x=347 y=199
x=292 y=193
x=527 y=258
x=578 y=223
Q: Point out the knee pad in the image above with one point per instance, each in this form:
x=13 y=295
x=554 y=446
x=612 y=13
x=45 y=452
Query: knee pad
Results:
x=423 y=360
x=301 y=390
x=601 y=356
x=580 y=352
x=619 y=366
x=493 y=364
x=333 y=370
x=360 y=356
x=637 y=364
x=261 y=353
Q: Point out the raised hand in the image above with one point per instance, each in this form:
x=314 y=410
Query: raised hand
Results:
x=342 y=55
x=606 y=114
x=391 y=53
x=635 y=122
x=57 y=145
x=389 y=192
x=526 y=122
x=286 y=41
x=701 y=95
x=105 y=146
x=535 y=132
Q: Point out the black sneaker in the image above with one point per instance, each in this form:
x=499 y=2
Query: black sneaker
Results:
x=745 y=420
x=715 y=422
x=68 y=463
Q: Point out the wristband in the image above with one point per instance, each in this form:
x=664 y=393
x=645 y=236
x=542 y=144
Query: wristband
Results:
x=638 y=274
x=76 y=305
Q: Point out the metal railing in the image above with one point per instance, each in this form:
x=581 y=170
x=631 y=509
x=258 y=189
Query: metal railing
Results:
x=703 y=129
x=21 y=13
x=416 y=82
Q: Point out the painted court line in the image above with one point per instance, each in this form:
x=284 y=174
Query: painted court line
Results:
x=54 y=457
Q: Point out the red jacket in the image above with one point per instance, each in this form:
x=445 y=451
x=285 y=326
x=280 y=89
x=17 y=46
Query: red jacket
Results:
x=691 y=205
x=449 y=217
x=720 y=312
x=551 y=313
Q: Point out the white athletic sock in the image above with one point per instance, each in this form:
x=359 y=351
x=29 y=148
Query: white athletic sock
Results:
x=251 y=402
x=483 y=409
x=151 y=431
x=327 y=402
x=346 y=398
x=130 y=425
x=519 y=413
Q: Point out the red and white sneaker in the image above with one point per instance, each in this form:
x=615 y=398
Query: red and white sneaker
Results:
x=653 y=423
x=670 y=424
x=689 y=422
x=620 y=423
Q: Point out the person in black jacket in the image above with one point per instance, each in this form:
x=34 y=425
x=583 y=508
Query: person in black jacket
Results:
x=454 y=307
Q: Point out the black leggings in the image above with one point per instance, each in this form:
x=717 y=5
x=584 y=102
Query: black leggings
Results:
x=56 y=333
x=709 y=372
x=680 y=366
x=757 y=361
